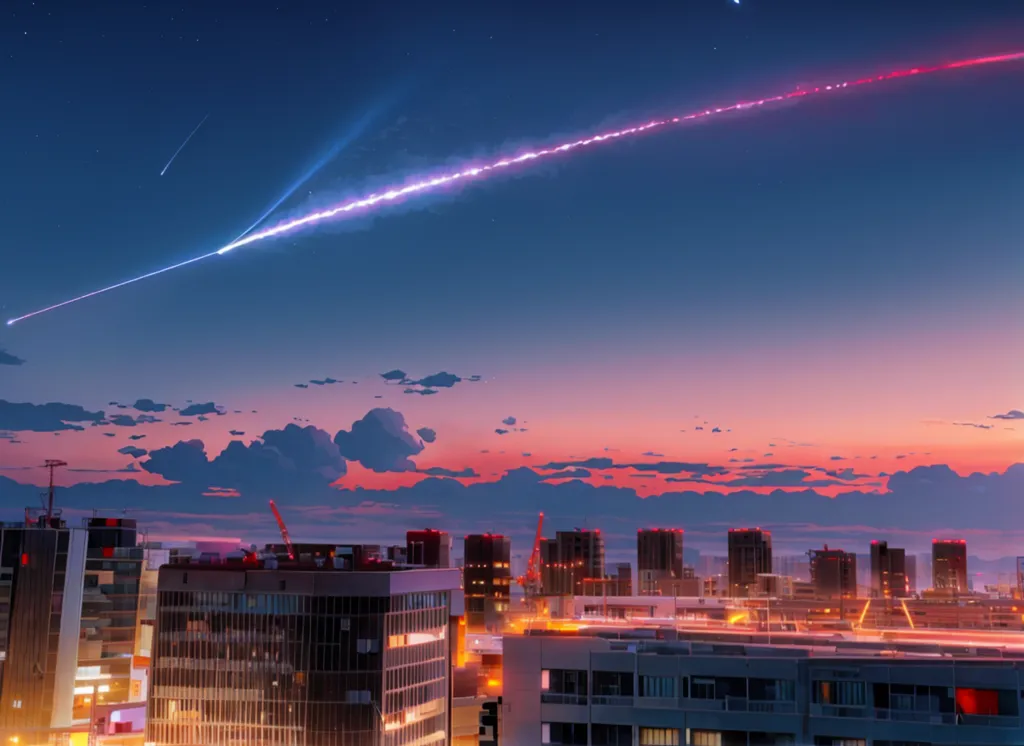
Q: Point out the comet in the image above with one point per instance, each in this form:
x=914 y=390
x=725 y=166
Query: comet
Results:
x=182 y=146
x=482 y=171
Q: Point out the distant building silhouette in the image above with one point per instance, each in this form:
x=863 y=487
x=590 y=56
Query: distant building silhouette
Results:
x=750 y=555
x=659 y=561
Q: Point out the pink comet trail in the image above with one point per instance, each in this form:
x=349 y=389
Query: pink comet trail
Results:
x=365 y=204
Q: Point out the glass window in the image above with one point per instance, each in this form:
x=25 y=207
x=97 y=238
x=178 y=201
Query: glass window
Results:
x=659 y=737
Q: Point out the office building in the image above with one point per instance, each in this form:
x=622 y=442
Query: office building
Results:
x=571 y=561
x=42 y=572
x=949 y=566
x=487 y=580
x=833 y=573
x=750 y=555
x=110 y=606
x=429 y=548
x=704 y=688
x=659 y=561
x=888 y=571
x=301 y=655
x=911 y=572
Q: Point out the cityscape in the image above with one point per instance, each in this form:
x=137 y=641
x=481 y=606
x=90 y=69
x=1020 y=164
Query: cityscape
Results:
x=533 y=374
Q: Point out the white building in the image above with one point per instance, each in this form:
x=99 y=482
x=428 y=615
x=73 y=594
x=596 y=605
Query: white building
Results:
x=706 y=690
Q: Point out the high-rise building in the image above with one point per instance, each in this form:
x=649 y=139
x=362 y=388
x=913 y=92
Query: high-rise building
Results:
x=301 y=654
x=581 y=553
x=750 y=555
x=42 y=571
x=911 y=572
x=949 y=566
x=429 y=548
x=487 y=579
x=888 y=571
x=659 y=561
x=833 y=573
x=110 y=605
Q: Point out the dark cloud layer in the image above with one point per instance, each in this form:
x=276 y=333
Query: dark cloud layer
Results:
x=192 y=410
x=45 y=418
x=7 y=358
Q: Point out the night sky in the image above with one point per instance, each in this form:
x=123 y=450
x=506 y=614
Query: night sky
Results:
x=726 y=323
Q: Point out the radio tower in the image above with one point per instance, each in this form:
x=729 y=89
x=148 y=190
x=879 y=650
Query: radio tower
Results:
x=52 y=464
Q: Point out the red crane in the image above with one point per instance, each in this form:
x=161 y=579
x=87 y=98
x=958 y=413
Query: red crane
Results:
x=531 y=580
x=284 y=530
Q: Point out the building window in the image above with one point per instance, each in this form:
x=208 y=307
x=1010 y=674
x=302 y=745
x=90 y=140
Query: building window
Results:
x=705 y=738
x=565 y=687
x=659 y=737
x=702 y=688
x=611 y=735
x=844 y=693
x=657 y=686
x=565 y=734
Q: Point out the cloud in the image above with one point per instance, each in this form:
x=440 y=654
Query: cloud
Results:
x=7 y=358
x=294 y=458
x=501 y=431
x=121 y=420
x=915 y=505
x=148 y=405
x=301 y=385
x=136 y=437
x=979 y=426
x=133 y=451
x=428 y=435
x=716 y=429
x=442 y=380
x=131 y=468
x=45 y=418
x=509 y=421
x=655 y=467
x=380 y=442
x=568 y=474
x=180 y=424
x=1013 y=414
x=236 y=433
x=426 y=385
x=438 y=471
x=196 y=409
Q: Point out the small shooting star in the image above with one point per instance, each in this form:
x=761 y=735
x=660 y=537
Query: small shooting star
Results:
x=182 y=146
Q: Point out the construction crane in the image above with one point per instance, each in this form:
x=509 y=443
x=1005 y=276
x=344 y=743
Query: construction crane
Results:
x=531 y=580
x=284 y=530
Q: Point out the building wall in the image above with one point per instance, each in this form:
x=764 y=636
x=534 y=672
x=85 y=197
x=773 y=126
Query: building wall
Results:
x=301 y=658
x=702 y=693
x=45 y=567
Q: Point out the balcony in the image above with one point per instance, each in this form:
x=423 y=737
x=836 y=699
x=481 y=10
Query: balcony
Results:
x=915 y=716
x=611 y=700
x=661 y=703
x=554 y=698
x=839 y=711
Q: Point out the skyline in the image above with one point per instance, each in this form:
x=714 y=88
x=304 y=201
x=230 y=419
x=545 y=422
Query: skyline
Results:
x=833 y=287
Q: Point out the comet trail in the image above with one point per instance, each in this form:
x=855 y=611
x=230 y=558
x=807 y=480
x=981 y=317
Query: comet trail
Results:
x=182 y=146
x=473 y=173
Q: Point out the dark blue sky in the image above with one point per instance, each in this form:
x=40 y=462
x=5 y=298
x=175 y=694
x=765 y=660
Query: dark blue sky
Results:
x=837 y=271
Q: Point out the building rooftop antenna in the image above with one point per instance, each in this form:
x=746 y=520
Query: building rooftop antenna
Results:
x=52 y=464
